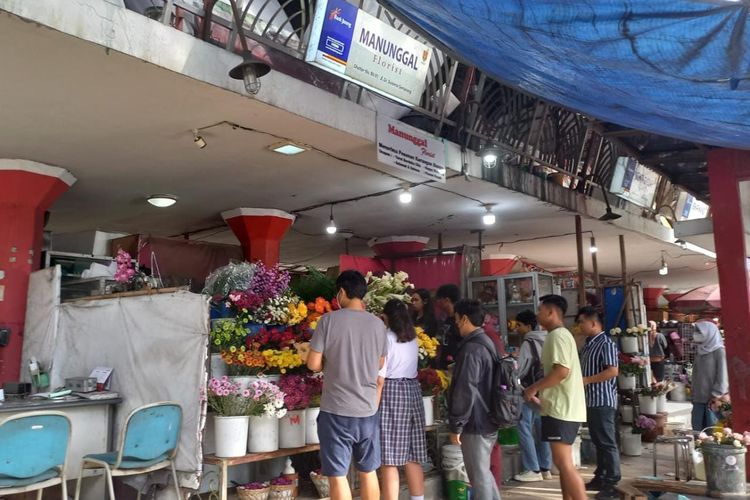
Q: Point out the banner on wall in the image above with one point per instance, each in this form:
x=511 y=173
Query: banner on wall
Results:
x=351 y=43
x=410 y=149
x=634 y=182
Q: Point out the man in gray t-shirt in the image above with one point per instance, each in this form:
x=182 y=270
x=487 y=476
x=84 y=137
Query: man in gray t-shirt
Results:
x=349 y=345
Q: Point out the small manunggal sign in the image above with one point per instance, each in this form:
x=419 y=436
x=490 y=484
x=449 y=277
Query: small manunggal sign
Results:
x=410 y=149
x=353 y=44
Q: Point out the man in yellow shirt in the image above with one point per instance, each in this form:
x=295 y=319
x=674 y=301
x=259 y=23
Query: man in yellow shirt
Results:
x=560 y=394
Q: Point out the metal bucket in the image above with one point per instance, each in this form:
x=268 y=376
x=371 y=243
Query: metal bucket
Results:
x=725 y=469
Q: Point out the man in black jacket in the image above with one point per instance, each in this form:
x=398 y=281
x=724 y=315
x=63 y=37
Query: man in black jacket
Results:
x=469 y=397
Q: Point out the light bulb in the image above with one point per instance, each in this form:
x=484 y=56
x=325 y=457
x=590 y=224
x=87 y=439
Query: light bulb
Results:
x=252 y=83
x=331 y=227
x=664 y=270
x=162 y=200
x=405 y=196
x=488 y=218
x=490 y=158
x=593 y=249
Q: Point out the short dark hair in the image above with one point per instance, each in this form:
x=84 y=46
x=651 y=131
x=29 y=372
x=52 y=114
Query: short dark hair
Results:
x=353 y=284
x=557 y=301
x=590 y=313
x=399 y=320
x=472 y=309
x=527 y=317
x=450 y=292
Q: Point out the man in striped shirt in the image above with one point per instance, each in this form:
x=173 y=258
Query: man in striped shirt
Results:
x=599 y=363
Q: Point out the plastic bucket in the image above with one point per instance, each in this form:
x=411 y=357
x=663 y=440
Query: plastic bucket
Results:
x=725 y=469
x=311 y=425
x=429 y=409
x=263 y=435
x=230 y=434
x=629 y=344
x=458 y=490
x=292 y=429
x=648 y=405
x=631 y=444
x=626 y=382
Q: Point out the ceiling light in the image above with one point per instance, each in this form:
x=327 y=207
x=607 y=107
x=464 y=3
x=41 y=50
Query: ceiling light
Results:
x=162 y=200
x=488 y=218
x=405 y=197
x=449 y=252
x=250 y=70
x=199 y=140
x=288 y=148
x=593 y=249
x=664 y=270
x=331 y=227
x=489 y=156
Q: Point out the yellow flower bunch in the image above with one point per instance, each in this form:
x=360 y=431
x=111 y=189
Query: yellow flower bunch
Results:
x=282 y=360
x=297 y=313
x=445 y=380
x=427 y=345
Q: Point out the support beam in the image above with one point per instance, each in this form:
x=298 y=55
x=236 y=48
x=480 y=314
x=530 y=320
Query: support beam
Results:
x=595 y=270
x=726 y=168
x=581 y=277
x=626 y=285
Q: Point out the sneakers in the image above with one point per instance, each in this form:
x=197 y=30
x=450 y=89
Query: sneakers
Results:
x=546 y=474
x=594 y=485
x=608 y=492
x=528 y=477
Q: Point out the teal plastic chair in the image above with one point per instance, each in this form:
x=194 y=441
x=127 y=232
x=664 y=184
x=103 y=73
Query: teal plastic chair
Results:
x=33 y=447
x=148 y=443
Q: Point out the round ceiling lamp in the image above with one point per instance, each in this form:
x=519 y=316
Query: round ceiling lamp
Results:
x=162 y=200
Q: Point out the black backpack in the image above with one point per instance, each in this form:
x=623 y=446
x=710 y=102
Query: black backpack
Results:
x=506 y=400
x=537 y=370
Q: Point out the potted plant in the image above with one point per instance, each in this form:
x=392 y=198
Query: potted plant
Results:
x=266 y=408
x=314 y=385
x=724 y=457
x=679 y=392
x=253 y=491
x=630 y=368
x=296 y=400
x=231 y=403
x=653 y=399
x=631 y=440
x=629 y=338
x=433 y=382
x=281 y=489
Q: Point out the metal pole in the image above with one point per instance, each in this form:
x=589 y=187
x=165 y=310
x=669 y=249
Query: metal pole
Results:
x=595 y=266
x=581 y=277
x=625 y=284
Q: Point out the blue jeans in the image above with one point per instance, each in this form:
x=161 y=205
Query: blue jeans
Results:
x=535 y=454
x=603 y=432
x=703 y=417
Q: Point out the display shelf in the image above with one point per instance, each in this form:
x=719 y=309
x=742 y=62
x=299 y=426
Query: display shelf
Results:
x=259 y=457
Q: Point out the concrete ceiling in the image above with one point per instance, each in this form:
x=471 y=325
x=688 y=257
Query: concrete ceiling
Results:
x=123 y=128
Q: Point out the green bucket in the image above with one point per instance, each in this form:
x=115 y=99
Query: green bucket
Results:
x=508 y=436
x=458 y=490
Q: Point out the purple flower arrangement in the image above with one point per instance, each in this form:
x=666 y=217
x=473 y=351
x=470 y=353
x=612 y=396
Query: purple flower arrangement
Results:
x=125 y=271
x=643 y=424
x=296 y=390
x=268 y=282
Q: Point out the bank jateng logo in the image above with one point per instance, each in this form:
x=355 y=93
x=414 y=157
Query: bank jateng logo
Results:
x=335 y=15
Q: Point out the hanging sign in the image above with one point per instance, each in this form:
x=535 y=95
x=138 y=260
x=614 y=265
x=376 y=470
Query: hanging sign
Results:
x=634 y=182
x=353 y=44
x=410 y=149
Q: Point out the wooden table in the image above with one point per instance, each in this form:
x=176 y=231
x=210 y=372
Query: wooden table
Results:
x=225 y=463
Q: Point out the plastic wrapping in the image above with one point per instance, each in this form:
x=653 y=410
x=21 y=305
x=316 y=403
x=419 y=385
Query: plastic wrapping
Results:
x=233 y=276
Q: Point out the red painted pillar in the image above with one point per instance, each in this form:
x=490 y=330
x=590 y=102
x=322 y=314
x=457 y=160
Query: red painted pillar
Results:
x=260 y=231
x=726 y=168
x=27 y=190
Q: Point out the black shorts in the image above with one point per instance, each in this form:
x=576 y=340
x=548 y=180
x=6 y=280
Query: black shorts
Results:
x=559 y=431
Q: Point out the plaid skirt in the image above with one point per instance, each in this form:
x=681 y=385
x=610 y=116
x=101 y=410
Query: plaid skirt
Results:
x=402 y=434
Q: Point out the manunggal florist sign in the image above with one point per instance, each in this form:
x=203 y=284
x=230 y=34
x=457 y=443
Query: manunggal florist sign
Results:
x=359 y=47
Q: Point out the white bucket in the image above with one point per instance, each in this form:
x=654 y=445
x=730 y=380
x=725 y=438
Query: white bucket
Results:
x=311 y=426
x=678 y=393
x=631 y=444
x=218 y=366
x=626 y=412
x=429 y=409
x=292 y=429
x=230 y=436
x=626 y=382
x=263 y=435
x=453 y=457
x=661 y=403
x=629 y=344
x=648 y=405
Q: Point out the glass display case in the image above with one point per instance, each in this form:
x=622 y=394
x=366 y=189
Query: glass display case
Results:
x=503 y=297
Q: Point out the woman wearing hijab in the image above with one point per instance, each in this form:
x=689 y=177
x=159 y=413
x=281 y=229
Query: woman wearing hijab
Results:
x=710 y=379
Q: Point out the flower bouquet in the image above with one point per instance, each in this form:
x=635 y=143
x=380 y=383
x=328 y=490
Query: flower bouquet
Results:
x=643 y=424
x=635 y=331
x=632 y=365
x=253 y=491
x=432 y=381
x=427 y=347
x=296 y=393
x=723 y=406
x=388 y=287
x=232 y=405
x=241 y=362
x=266 y=400
x=725 y=437
x=658 y=389
x=281 y=361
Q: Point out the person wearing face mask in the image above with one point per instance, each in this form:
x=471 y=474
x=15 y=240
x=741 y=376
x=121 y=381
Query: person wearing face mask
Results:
x=710 y=380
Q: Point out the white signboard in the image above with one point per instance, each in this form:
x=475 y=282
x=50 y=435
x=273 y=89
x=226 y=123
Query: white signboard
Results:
x=353 y=44
x=410 y=149
x=634 y=182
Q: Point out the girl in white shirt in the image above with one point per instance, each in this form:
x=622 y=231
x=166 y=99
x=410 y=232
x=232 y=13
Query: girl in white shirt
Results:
x=402 y=421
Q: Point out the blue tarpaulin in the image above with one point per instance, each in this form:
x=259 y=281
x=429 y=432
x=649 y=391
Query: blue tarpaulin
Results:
x=677 y=68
